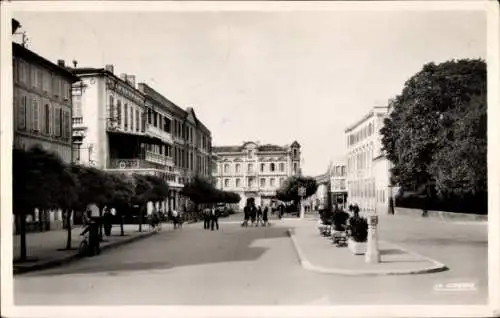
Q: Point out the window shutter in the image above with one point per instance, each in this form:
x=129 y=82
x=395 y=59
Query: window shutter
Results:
x=60 y=126
x=53 y=111
x=119 y=113
x=137 y=120
x=22 y=113
x=67 y=129
x=36 y=115
x=111 y=108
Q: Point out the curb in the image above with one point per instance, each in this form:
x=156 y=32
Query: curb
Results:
x=73 y=257
x=306 y=264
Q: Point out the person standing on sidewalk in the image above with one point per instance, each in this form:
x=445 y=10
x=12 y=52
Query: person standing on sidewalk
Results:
x=108 y=222
x=265 y=216
x=253 y=214
x=206 y=218
x=215 y=219
x=246 y=212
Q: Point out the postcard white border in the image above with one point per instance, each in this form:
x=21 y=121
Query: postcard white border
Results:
x=6 y=137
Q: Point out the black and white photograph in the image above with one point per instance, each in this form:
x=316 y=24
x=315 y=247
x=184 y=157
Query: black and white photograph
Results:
x=330 y=156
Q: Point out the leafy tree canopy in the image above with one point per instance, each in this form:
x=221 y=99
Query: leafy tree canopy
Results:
x=289 y=190
x=436 y=133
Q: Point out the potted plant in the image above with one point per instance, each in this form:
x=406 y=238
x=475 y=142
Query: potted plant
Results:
x=359 y=234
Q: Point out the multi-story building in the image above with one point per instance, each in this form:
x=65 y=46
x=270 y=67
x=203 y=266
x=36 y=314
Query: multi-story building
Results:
x=42 y=114
x=337 y=172
x=42 y=103
x=188 y=141
x=255 y=171
x=121 y=127
x=367 y=167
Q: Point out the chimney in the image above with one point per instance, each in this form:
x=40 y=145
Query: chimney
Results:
x=123 y=77
x=131 y=80
x=15 y=25
x=109 y=68
x=60 y=63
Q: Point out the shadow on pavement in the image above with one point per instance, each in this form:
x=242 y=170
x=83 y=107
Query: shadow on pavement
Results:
x=187 y=247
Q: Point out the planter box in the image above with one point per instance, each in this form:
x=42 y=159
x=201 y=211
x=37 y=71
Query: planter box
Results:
x=356 y=248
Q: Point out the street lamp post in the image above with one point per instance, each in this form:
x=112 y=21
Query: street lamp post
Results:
x=302 y=194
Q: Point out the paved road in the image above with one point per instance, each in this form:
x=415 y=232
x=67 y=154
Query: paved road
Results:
x=240 y=266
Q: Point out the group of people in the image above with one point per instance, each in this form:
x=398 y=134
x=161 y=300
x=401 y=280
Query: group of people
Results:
x=210 y=218
x=256 y=215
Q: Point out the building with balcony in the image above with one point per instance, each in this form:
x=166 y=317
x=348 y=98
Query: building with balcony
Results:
x=119 y=126
x=42 y=103
x=188 y=141
x=367 y=167
x=255 y=171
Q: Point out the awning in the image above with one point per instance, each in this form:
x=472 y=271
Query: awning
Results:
x=140 y=136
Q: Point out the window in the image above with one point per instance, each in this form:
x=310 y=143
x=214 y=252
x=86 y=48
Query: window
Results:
x=238 y=183
x=150 y=116
x=23 y=72
x=282 y=167
x=262 y=165
x=272 y=182
x=281 y=181
x=262 y=182
x=226 y=183
x=21 y=124
x=45 y=78
x=57 y=122
x=295 y=153
x=119 y=112
x=55 y=85
x=155 y=119
x=237 y=168
x=131 y=118
x=166 y=125
x=111 y=107
x=250 y=167
x=36 y=115
x=125 y=115
x=143 y=121
x=46 y=111
x=295 y=167
x=226 y=168
x=67 y=127
x=272 y=167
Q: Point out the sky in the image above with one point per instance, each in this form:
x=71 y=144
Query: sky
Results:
x=272 y=77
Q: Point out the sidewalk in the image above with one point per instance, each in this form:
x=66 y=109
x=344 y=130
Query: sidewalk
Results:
x=318 y=253
x=47 y=249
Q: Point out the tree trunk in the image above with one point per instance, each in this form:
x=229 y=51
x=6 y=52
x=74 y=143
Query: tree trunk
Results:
x=140 y=219
x=69 y=228
x=122 y=233
x=100 y=224
x=23 y=236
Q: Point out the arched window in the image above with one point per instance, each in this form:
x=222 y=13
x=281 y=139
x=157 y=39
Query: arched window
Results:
x=226 y=168
x=237 y=168
x=272 y=167
x=262 y=182
x=226 y=183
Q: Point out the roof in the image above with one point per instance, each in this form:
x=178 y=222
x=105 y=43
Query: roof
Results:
x=375 y=109
x=20 y=51
x=260 y=148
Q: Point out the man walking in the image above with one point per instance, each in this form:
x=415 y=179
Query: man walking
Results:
x=206 y=218
x=215 y=219
x=246 y=212
x=265 y=216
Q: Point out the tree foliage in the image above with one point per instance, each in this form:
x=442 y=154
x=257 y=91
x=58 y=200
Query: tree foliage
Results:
x=436 y=134
x=289 y=190
x=200 y=190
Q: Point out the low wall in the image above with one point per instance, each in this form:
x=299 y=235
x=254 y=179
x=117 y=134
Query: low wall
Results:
x=450 y=216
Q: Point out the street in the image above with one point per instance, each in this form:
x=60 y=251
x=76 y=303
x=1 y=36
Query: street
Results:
x=247 y=266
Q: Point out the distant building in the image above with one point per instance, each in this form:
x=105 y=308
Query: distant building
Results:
x=367 y=168
x=255 y=171
x=42 y=103
x=337 y=172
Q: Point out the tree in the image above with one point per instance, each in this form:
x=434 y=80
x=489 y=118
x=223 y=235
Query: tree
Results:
x=123 y=191
x=142 y=190
x=289 y=191
x=39 y=179
x=95 y=188
x=436 y=134
x=200 y=190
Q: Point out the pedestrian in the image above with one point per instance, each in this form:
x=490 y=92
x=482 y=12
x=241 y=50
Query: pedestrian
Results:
x=206 y=218
x=253 y=214
x=259 y=216
x=108 y=222
x=265 y=215
x=175 y=219
x=246 y=212
x=215 y=219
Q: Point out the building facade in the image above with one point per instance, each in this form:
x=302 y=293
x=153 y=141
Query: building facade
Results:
x=119 y=126
x=255 y=171
x=337 y=172
x=42 y=115
x=367 y=167
x=42 y=103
